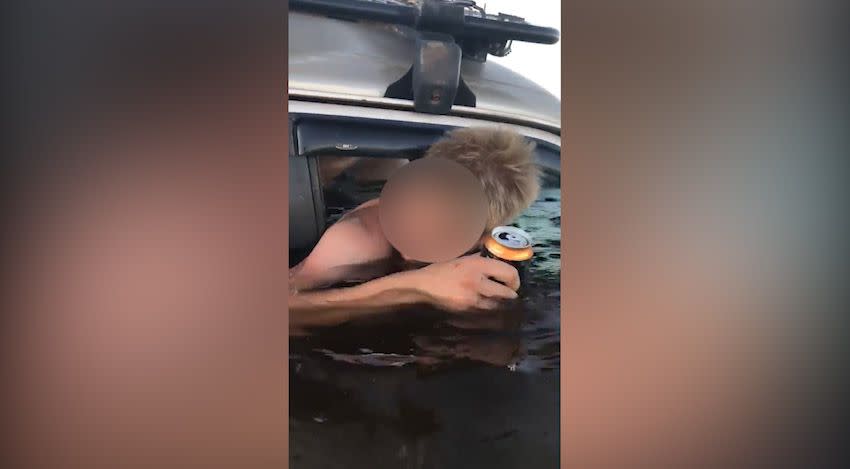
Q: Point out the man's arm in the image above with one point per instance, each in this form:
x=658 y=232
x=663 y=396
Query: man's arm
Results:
x=352 y=249
x=465 y=284
x=339 y=305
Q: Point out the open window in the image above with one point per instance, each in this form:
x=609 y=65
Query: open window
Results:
x=338 y=163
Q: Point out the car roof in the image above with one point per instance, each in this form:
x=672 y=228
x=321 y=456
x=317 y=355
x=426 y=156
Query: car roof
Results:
x=356 y=61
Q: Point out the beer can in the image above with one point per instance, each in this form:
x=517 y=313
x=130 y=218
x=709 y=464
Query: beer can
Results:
x=512 y=245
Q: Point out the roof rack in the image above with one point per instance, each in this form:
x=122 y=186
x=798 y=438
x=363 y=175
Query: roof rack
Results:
x=477 y=32
x=450 y=30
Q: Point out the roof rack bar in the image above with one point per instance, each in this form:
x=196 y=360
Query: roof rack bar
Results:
x=359 y=10
x=436 y=16
x=509 y=31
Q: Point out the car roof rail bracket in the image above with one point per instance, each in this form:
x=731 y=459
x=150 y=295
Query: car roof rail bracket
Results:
x=434 y=81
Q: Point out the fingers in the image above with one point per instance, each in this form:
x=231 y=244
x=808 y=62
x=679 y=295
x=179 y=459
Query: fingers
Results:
x=501 y=272
x=487 y=304
x=495 y=290
x=493 y=294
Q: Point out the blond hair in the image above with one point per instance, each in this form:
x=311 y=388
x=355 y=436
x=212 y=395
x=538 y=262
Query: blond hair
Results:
x=502 y=160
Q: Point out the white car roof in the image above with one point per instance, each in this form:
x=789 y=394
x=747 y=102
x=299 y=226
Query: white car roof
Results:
x=356 y=61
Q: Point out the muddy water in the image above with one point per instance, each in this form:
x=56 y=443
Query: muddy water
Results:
x=420 y=388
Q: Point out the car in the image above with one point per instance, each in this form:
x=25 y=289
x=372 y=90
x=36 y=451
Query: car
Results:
x=372 y=84
x=353 y=71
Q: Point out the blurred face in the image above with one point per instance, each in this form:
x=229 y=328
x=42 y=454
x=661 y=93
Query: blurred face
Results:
x=433 y=210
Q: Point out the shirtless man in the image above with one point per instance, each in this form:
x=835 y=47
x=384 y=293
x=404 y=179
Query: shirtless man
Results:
x=431 y=214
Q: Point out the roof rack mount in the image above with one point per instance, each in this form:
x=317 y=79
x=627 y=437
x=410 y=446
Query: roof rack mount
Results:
x=433 y=82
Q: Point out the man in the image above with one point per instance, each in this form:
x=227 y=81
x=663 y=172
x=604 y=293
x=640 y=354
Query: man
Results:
x=431 y=214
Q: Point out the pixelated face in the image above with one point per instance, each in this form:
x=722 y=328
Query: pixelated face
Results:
x=433 y=210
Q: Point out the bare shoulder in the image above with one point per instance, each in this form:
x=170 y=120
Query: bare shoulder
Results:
x=365 y=216
x=356 y=237
x=366 y=209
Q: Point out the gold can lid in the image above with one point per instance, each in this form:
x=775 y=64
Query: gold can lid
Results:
x=509 y=243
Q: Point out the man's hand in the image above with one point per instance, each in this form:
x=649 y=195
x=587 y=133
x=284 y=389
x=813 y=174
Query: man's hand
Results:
x=468 y=283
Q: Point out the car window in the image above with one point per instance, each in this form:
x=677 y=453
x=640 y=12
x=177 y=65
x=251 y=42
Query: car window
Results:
x=354 y=157
x=350 y=181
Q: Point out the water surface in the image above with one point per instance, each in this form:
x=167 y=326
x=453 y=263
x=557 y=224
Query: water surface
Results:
x=420 y=388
